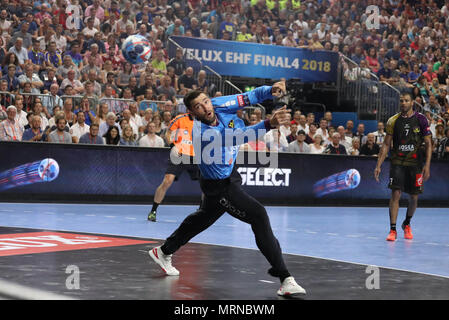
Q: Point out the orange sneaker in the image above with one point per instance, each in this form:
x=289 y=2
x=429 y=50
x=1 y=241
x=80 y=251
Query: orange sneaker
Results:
x=392 y=235
x=407 y=231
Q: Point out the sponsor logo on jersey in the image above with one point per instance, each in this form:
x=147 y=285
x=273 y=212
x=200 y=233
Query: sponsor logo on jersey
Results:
x=406 y=147
x=231 y=124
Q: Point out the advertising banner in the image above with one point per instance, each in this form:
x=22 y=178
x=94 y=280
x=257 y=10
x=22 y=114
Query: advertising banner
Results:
x=244 y=59
x=36 y=171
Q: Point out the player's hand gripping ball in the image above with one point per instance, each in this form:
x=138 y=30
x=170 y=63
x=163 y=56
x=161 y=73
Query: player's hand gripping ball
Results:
x=136 y=49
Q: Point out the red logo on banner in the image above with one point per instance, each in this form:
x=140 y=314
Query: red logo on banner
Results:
x=419 y=180
x=40 y=242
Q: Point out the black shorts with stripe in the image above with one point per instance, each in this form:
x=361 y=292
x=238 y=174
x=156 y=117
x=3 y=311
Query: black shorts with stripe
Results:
x=408 y=179
x=186 y=165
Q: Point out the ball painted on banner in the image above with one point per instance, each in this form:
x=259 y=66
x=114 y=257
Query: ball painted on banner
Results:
x=48 y=169
x=136 y=49
x=352 y=178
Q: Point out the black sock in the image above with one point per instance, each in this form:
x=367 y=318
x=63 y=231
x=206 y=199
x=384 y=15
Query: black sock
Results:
x=281 y=275
x=407 y=220
x=393 y=226
x=155 y=205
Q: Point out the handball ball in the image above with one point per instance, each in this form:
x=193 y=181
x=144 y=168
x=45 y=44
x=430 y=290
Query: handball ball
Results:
x=136 y=49
x=48 y=170
x=352 y=178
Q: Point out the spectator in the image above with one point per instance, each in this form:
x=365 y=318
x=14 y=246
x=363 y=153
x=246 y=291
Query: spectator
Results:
x=80 y=128
x=433 y=105
x=370 y=148
x=317 y=146
x=5 y=23
x=135 y=118
x=60 y=135
x=92 y=137
x=21 y=116
x=311 y=133
x=227 y=25
x=355 y=147
x=23 y=34
x=151 y=139
x=53 y=57
x=443 y=146
x=128 y=137
x=49 y=102
x=112 y=136
x=73 y=82
x=438 y=137
x=335 y=147
x=5 y=98
x=178 y=62
x=380 y=134
x=201 y=82
x=20 y=51
x=187 y=82
x=372 y=61
x=11 y=79
x=59 y=38
x=276 y=141
x=32 y=78
x=10 y=129
x=361 y=133
x=90 y=30
x=429 y=74
x=158 y=64
x=299 y=146
x=34 y=133
x=293 y=132
x=38 y=110
x=67 y=64
x=358 y=55
x=35 y=55
x=344 y=140
x=323 y=131
x=166 y=88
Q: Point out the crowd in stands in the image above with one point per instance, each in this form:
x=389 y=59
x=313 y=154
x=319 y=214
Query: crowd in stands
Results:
x=65 y=80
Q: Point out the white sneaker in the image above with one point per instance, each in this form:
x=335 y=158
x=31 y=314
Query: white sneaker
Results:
x=289 y=287
x=164 y=261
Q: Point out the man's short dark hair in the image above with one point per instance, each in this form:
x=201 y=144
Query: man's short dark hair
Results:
x=407 y=94
x=189 y=97
x=301 y=132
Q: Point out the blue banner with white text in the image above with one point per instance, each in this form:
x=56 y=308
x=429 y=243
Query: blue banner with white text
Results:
x=244 y=59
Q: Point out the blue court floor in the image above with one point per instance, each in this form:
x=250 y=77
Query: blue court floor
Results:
x=348 y=234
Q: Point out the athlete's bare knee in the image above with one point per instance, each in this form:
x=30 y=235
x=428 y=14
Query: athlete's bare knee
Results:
x=167 y=182
x=396 y=195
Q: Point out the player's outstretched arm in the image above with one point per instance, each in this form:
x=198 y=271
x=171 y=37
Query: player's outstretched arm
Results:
x=232 y=103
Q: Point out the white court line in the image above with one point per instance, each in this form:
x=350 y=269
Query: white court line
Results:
x=20 y=292
x=266 y=281
x=231 y=246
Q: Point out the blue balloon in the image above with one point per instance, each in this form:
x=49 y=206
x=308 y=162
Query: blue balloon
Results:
x=136 y=49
